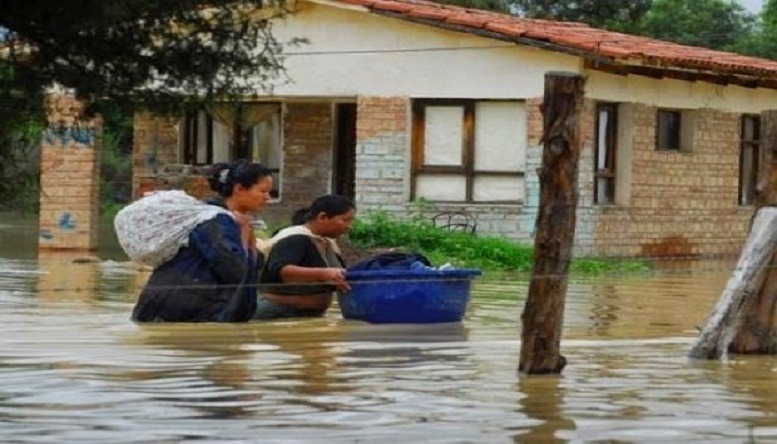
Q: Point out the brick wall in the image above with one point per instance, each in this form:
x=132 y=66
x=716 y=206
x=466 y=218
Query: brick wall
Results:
x=307 y=156
x=155 y=144
x=528 y=216
x=676 y=203
x=681 y=203
x=70 y=177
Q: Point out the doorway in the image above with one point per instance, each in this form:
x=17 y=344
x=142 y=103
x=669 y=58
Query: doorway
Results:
x=344 y=174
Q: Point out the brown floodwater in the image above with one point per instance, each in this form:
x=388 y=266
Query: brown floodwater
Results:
x=74 y=369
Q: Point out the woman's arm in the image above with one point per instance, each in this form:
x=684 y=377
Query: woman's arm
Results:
x=296 y=259
x=330 y=275
x=220 y=242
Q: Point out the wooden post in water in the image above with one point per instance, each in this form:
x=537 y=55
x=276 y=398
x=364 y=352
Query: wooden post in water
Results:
x=744 y=320
x=543 y=315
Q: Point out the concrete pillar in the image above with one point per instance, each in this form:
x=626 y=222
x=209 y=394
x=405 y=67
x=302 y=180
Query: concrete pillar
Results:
x=69 y=177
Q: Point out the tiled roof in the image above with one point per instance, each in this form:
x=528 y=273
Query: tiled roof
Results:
x=576 y=38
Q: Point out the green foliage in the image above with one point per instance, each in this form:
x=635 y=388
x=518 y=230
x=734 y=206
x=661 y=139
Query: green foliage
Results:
x=114 y=50
x=762 y=42
x=378 y=229
x=623 y=15
x=717 y=24
x=164 y=56
x=115 y=160
x=21 y=128
x=19 y=165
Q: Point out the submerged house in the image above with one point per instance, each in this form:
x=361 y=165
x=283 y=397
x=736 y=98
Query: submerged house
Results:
x=392 y=101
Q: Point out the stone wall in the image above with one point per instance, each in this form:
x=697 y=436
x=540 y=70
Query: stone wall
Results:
x=382 y=160
x=69 y=177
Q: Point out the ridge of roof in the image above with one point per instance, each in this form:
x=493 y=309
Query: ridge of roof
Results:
x=598 y=45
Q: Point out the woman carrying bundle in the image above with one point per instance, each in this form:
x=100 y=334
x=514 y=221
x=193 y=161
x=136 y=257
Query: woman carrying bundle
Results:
x=213 y=278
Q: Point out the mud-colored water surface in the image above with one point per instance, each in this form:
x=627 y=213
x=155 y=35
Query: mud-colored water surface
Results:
x=74 y=369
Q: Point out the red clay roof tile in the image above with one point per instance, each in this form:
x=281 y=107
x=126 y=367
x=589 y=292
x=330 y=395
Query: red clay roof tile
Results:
x=508 y=29
x=392 y=6
x=439 y=14
x=470 y=20
x=576 y=37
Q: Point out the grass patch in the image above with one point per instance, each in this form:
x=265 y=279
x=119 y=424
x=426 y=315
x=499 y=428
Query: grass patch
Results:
x=378 y=229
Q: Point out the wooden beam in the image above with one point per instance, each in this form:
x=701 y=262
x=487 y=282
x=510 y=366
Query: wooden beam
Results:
x=689 y=76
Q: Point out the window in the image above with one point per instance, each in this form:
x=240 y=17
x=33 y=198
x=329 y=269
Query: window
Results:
x=469 y=151
x=749 y=158
x=668 y=130
x=606 y=147
x=226 y=133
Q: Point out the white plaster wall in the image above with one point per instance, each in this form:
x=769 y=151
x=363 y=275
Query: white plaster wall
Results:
x=352 y=52
x=670 y=93
x=471 y=67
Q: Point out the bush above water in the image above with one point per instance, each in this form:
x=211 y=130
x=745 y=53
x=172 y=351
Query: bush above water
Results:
x=379 y=230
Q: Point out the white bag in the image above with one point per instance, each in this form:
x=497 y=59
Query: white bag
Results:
x=152 y=229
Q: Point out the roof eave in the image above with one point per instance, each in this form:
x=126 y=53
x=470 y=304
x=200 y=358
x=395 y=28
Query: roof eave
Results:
x=745 y=80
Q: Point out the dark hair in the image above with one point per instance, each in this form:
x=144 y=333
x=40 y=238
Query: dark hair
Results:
x=330 y=204
x=224 y=176
x=299 y=217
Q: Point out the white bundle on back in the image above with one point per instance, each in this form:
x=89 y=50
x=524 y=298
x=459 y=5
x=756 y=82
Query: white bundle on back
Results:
x=152 y=229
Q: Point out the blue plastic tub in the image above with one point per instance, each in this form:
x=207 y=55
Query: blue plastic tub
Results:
x=407 y=296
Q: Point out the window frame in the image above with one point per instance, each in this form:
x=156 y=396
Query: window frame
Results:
x=679 y=135
x=757 y=147
x=191 y=134
x=189 y=144
x=610 y=170
x=467 y=167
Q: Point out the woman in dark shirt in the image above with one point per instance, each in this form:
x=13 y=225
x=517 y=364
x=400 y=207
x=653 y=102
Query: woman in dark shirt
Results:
x=304 y=265
x=213 y=278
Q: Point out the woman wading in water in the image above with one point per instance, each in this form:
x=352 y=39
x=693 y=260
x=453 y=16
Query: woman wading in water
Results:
x=213 y=278
x=304 y=266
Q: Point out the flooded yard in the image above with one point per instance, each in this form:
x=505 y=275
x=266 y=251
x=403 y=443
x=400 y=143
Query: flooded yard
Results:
x=73 y=368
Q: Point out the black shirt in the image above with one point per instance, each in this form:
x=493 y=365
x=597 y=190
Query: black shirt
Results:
x=298 y=250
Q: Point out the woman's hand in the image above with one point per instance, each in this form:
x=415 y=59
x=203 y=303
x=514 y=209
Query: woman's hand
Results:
x=336 y=276
x=246 y=230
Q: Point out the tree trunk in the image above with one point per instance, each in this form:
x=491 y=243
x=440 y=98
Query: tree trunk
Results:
x=543 y=314
x=746 y=308
x=745 y=317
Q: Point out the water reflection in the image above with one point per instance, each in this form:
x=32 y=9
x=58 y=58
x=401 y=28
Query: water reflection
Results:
x=235 y=366
x=542 y=401
x=398 y=346
x=605 y=305
x=64 y=280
